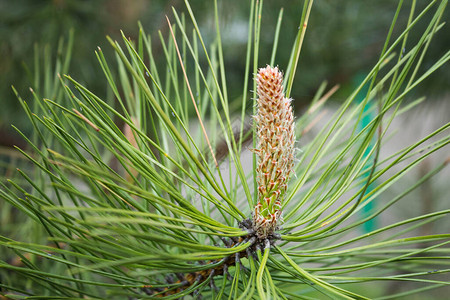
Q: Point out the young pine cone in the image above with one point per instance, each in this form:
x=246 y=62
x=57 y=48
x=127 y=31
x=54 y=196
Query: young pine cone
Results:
x=275 y=149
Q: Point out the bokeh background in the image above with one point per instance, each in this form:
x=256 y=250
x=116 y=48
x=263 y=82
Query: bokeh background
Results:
x=343 y=41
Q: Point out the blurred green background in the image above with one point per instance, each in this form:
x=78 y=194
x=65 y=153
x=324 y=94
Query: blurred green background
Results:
x=344 y=38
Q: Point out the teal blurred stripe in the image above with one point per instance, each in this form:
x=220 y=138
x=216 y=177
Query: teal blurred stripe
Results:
x=368 y=116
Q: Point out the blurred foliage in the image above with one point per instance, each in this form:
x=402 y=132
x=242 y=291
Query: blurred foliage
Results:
x=344 y=38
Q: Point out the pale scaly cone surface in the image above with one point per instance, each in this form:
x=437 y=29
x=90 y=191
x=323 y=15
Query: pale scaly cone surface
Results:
x=275 y=149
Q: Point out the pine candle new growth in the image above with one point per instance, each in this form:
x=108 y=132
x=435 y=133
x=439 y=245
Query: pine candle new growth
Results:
x=275 y=149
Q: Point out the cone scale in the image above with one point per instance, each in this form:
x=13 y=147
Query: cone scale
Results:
x=275 y=149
